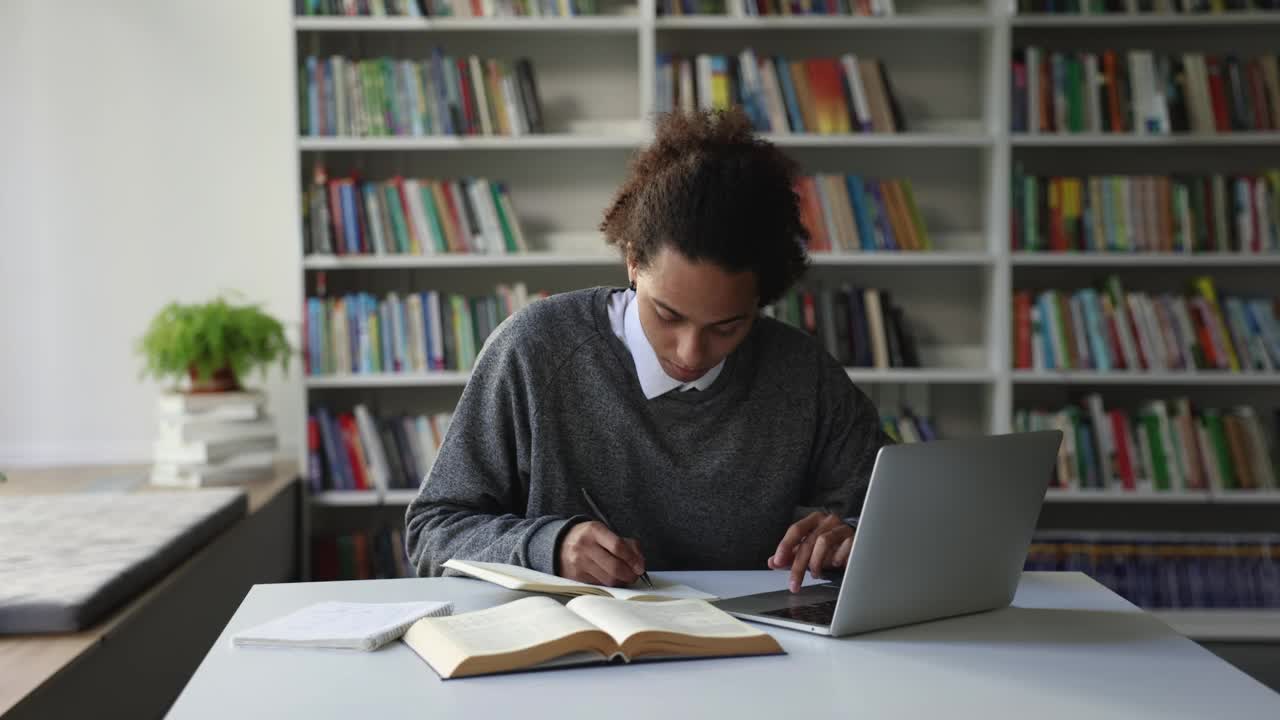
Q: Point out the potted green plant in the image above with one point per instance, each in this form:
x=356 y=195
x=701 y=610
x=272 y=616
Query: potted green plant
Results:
x=216 y=344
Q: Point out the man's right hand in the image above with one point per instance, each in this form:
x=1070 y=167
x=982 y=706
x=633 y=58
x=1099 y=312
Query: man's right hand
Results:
x=591 y=553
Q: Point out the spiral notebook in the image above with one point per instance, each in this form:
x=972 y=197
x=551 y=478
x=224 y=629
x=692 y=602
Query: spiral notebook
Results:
x=341 y=625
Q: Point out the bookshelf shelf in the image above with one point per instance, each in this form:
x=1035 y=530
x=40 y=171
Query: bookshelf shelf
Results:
x=939 y=21
x=1125 y=140
x=1090 y=377
x=596 y=24
x=346 y=498
x=603 y=259
x=963 y=139
x=1121 y=496
x=1139 y=259
x=549 y=141
x=1146 y=20
x=452 y=378
x=442 y=378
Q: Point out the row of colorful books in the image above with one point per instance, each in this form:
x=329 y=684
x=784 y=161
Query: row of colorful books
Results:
x=1146 y=213
x=409 y=216
x=1161 y=447
x=1173 y=571
x=826 y=96
x=849 y=213
x=402 y=333
x=1142 y=92
x=359 y=451
x=444 y=95
x=1110 y=329
x=858 y=327
x=908 y=427
x=446 y=8
x=774 y=8
x=1143 y=7
x=367 y=555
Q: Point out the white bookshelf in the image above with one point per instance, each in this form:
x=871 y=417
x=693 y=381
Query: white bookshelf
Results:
x=949 y=64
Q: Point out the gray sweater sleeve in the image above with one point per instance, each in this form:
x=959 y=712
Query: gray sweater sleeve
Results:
x=849 y=435
x=472 y=504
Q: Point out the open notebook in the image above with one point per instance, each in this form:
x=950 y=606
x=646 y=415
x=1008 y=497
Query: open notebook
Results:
x=514 y=577
x=539 y=632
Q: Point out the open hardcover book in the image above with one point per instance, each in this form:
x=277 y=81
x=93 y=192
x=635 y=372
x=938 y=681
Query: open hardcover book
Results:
x=514 y=577
x=539 y=632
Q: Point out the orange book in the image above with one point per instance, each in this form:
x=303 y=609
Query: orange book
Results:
x=1113 y=90
x=903 y=229
x=448 y=218
x=819 y=239
x=804 y=96
x=827 y=89
x=494 y=94
x=1238 y=446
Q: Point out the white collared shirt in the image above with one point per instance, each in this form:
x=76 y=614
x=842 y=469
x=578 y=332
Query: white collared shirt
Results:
x=624 y=319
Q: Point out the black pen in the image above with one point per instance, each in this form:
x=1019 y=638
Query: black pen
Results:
x=595 y=509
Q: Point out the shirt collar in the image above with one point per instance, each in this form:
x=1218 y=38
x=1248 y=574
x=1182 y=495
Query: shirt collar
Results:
x=654 y=381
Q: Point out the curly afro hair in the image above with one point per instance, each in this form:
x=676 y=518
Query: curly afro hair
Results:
x=708 y=188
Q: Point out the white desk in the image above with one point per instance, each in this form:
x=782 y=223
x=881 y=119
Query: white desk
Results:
x=1068 y=649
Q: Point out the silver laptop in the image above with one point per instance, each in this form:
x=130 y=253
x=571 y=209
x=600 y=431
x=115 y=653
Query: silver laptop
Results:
x=944 y=531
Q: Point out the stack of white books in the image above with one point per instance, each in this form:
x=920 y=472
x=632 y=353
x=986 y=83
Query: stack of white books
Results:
x=213 y=439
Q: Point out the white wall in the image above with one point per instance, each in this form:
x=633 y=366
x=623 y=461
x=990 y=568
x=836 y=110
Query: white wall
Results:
x=146 y=155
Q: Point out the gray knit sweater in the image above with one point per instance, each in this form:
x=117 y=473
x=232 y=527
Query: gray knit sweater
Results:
x=706 y=480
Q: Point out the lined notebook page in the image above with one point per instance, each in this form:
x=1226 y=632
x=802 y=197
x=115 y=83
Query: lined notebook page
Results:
x=342 y=625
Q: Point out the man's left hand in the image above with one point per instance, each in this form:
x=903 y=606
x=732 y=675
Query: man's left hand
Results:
x=816 y=541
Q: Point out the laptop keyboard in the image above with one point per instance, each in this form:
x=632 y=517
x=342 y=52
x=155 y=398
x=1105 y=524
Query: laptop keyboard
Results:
x=819 y=613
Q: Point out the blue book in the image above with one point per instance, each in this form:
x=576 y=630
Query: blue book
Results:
x=882 y=215
x=354 y=323
x=866 y=232
x=313 y=98
x=334 y=452
x=350 y=218
x=315 y=348
x=401 y=344
x=1097 y=329
x=1045 y=336
x=1090 y=478
x=385 y=337
x=442 y=92
x=789 y=94
x=425 y=323
x=330 y=107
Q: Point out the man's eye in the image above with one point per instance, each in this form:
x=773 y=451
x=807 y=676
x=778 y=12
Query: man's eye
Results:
x=726 y=330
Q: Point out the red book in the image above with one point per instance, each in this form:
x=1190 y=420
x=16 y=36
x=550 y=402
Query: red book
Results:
x=351 y=440
x=1046 y=97
x=827 y=89
x=1113 y=340
x=360 y=548
x=810 y=313
x=1262 y=119
x=1199 y=318
x=1113 y=90
x=811 y=206
x=468 y=98
x=477 y=8
x=1022 y=330
x=335 y=216
x=1218 y=94
x=464 y=233
x=1124 y=463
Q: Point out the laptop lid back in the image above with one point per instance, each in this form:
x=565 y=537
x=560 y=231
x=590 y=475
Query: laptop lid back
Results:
x=945 y=529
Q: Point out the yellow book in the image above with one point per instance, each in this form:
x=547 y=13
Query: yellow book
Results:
x=538 y=632
x=917 y=220
x=514 y=577
x=1204 y=285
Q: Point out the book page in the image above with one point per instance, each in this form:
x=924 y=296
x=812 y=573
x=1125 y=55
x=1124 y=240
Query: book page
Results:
x=517 y=625
x=662 y=590
x=697 y=618
x=512 y=577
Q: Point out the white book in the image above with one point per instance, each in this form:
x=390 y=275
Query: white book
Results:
x=178 y=431
x=1125 y=333
x=875 y=324
x=861 y=108
x=688 y=101
x=773 y=98
x=1093 y=109
x=1172 y=458
x=482 y=198
x=1037 y=345
x=428 y=442
x=422 y=228
x=1243 y=196
x=481 y=91
x=375 y=454
x=433 y=327
x=198 y=453
x=703 y=63
x=341 y=625
x=236 y=471
x=515 y=577
x=1068 y=467
x=1077 y=312
x=515 y=111
x=1207 y=454
x=373 y=209
x=1182 y=315
x=508 y=209
x=245 y=405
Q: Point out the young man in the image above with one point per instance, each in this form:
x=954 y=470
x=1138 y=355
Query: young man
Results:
x=714 y=438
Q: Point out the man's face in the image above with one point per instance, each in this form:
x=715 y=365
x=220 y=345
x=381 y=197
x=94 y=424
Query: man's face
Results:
x=694 y=313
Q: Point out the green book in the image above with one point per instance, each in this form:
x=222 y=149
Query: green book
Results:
x=399 y=228
x=369 y=87
x=917 y=219
x=1031 y=213
x=508 y=237
x=1160 y=469
x=1221 y=451
x=433 y=216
